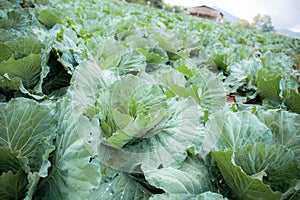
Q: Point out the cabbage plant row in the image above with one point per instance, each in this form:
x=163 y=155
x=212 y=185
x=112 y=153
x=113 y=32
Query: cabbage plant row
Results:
x=110 y=100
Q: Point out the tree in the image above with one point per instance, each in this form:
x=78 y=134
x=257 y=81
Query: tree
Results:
x=243 y=23
x=144 y=2
x=157 y=3
x=263 y=23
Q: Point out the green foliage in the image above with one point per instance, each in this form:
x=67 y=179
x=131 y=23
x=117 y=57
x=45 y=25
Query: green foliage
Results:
x=243 y=23
x=263 y=23
x=144 y=2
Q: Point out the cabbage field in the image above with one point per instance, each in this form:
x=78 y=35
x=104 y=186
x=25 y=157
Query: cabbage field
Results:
x=109 y=100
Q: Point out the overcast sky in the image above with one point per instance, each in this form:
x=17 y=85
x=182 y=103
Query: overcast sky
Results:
x=285 y=14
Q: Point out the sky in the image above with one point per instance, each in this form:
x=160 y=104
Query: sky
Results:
x=285 y=14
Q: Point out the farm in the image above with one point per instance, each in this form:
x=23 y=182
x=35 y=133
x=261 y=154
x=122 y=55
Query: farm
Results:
x=110 y=100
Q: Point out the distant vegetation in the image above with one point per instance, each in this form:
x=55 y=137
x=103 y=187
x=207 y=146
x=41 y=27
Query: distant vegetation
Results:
x=260 y=22
x=263 y=23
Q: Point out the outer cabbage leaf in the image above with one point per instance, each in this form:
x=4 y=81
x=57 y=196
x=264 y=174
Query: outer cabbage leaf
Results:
x=277 y=81
x=8 y=83
x=122 y=187
x=183 y=92
x=209 y=196
x=242 y=76
x=19 y=47
x=280 y=62
x=73 y=174
x=147 y=46
x=203 y=196
x=12 y=177
x=274 y=165
x=268 y=84
x=131 y=62
x=27 y=127
x=14 y=19
x=165 y=76
x=210 y=90
x=108 y=53
x=20 y=59
x=190 y=180
x=6 y=35
x=24 y=125
x=175 y=44
x=27 y=68
x=13 y=186
x=154 y=55
x=242 y=185
x=214 y=128
x=285 y=127
x=111 y=54
x=292 y=99
x=227 y=57
x=49 y=18
x=241 y=129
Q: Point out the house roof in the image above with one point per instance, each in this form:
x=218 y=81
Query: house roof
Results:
x=204 y=10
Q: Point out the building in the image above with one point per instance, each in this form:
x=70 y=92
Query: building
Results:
x=205 y=12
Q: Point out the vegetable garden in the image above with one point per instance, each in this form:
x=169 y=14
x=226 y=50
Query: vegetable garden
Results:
x=109 y=100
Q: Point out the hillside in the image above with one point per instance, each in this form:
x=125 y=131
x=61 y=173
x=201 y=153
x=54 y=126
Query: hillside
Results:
x=289 y=33
x=110 y=100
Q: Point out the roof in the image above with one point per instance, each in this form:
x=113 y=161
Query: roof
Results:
x=204 y=10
